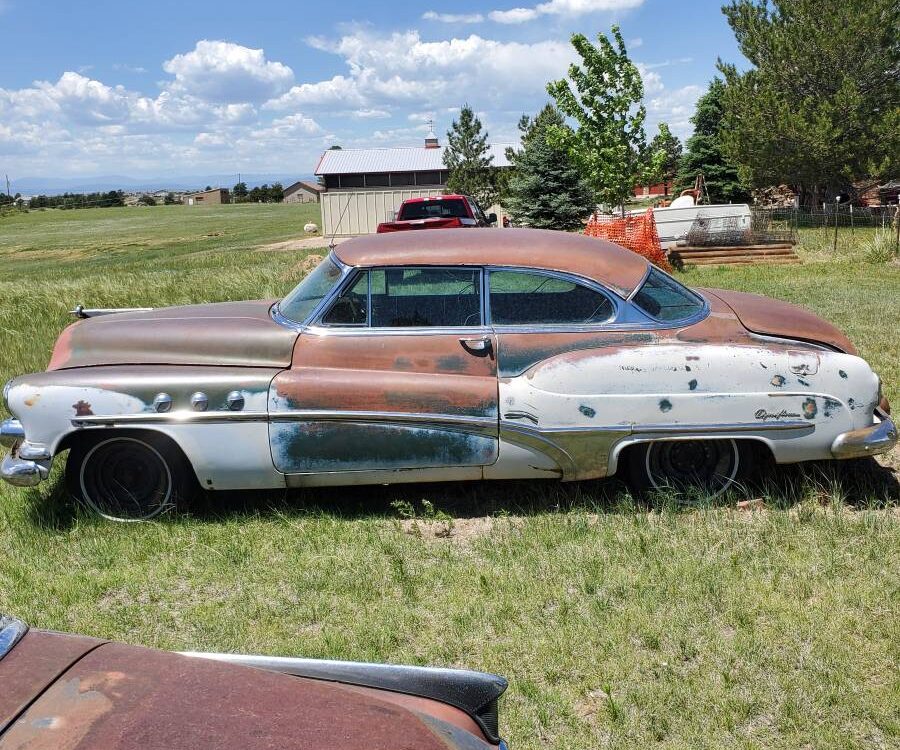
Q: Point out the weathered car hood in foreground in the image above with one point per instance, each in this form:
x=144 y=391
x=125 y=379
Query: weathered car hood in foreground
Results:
x=773 y=317
x=119 y=697
x=226 y=333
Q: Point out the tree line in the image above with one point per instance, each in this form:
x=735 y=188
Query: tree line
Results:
x=260 y=194
x=818 y=110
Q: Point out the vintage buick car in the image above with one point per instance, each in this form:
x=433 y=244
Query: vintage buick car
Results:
x=433 y=356
x=76 y=693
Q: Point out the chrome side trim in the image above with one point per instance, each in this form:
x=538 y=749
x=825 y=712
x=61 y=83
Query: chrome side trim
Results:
x=724 y=427
x=11 y=632
x=82 y=312
x=11 y=432
x=173 y=417
x=469 y=423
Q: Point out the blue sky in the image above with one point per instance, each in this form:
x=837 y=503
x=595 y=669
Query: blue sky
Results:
x=179 y=88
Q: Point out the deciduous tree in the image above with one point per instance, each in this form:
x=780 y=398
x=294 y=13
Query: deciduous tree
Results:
x=666 y=149
x=604 y=95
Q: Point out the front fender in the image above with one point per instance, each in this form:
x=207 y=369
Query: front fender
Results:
x=53 y=407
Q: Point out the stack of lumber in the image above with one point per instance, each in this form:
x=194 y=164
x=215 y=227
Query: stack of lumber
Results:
x=733 y=255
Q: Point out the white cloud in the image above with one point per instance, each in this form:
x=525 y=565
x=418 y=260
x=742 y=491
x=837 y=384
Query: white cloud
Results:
x=453 y=17
x=568 y=8
x=335 y=92
x=224 y=72
x=401 y=68
x=635 y=43
x=514 y=15
x=371 y=114
x=675 y=107
x=129 y=68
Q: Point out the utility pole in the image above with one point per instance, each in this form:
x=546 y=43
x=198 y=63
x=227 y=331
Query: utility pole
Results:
x=7 y=186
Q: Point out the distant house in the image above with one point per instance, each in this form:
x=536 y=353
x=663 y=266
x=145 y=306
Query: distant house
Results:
x=303 y=192
x=207 y=197
x=392 y=168
x=656 y=190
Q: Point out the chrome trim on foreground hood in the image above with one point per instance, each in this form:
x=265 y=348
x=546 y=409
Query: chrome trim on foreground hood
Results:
x=11 y=631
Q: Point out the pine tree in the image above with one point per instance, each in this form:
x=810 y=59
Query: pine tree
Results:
x=547 y=190
x=605 y=97
x=705 y=154
x=468 y=159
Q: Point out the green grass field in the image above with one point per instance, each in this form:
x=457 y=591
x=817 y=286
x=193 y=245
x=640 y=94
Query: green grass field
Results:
x=617 y=626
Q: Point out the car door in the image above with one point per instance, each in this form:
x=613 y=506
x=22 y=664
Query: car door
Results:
x=399 y=372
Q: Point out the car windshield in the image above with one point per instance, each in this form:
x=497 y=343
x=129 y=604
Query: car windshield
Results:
x=438 y=208
x=663 y=298
x=306 y=296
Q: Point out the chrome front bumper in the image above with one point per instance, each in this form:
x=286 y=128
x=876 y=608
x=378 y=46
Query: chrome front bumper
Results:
x=21 y=472
x=18 y=471
x=866 y=441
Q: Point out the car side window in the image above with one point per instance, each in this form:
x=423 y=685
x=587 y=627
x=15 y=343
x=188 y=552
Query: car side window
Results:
x=533 y=298
x=351 y=307
x=432 y=297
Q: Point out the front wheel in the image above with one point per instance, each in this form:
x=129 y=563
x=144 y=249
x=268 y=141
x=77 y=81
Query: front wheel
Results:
x=128 y=477
x=706 y=466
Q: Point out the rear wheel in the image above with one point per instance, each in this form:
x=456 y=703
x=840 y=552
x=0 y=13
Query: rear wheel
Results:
x=706 y=466
x=132 y=477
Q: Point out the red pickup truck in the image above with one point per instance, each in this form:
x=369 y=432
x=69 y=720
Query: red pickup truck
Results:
x=438 y=212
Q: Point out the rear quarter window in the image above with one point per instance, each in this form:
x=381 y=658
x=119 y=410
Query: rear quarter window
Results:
x=663 y=298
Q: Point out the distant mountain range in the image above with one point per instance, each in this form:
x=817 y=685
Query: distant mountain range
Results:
x=103 y=183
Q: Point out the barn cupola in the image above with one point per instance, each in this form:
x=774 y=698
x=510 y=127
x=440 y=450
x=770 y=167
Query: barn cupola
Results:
x=431 y=140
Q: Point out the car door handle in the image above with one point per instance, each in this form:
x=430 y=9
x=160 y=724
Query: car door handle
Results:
x=478 y=345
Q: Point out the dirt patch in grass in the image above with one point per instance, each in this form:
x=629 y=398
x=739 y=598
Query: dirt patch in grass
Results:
x=299 y=243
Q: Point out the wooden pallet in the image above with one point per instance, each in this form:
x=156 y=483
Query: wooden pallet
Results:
x=737 y=255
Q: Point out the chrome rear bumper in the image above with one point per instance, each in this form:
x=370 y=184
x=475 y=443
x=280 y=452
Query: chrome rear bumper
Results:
x=879 y=437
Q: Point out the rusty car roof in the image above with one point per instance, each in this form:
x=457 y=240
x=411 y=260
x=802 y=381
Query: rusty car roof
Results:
x=543 y=249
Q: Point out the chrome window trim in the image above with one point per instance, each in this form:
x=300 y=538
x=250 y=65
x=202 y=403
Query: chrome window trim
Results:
x=281 y=319
x=348 y=283
x=628 y=316
x=318 y=326
x=614 y=299
x=681 y=322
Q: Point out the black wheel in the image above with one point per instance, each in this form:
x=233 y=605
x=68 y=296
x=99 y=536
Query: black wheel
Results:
x=128 y=477
x=707 y=466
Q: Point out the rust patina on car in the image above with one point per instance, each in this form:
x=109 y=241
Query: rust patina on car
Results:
x=434 y=356
x=76 y=693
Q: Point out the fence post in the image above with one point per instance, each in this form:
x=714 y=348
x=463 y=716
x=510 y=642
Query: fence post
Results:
x=897 y=234
x=836 y=206
x=851 y=218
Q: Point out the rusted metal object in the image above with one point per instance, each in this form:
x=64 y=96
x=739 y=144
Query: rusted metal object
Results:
x=64 y=693
x=597 y=259
x=776 y=318
x=402 y=360
x=227 y=333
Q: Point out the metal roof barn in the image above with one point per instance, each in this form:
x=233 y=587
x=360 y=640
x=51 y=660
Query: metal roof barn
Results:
x=410 y=159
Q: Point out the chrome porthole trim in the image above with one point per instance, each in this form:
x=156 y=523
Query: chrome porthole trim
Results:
x=235 y=401
x=199 y=401
x=162 y=403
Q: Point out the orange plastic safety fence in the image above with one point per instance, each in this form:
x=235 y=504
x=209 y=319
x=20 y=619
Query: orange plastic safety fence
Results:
x=636 y=232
